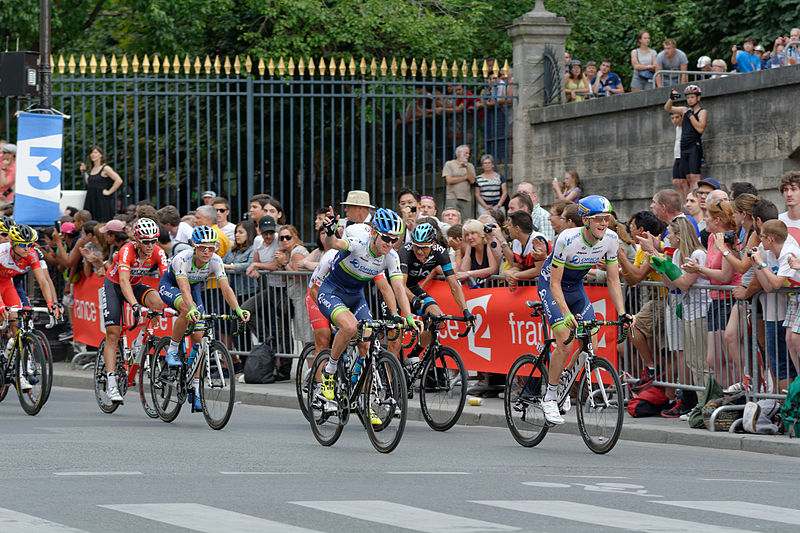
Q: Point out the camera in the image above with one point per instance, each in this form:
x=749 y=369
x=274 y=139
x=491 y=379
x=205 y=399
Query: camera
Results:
x=674 y=95
x=412 y=208
x=730 y=238
x=751 y=251
x=488 y=228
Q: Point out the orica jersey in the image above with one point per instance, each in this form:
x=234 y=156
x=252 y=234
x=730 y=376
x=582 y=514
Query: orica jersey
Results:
x=357 y=265
x=577 y=257
x=183 y=266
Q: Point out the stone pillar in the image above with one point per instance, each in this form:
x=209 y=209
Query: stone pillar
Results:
x=531 y=34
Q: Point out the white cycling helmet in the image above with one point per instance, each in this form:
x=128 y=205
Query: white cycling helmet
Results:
x=146 y=228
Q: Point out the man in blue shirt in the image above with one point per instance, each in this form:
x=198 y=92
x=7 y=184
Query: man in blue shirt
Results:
x=606 y=82
x=745 y=61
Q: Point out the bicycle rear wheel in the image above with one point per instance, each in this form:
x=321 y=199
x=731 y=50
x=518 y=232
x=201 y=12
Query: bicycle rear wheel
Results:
x=33 y=365
x=386 y=397
x=101 y=379
x=526 y=385
x=443 y=390
x=145 y=361
x=217 y=386
x=41 y=338
x=165 y=392
x=327 y=417
x=600 y=406
x=301 y=378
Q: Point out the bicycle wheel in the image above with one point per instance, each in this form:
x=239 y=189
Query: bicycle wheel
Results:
x=217 y=386
x=41 y=338
x=165 y=392
x=443 y=390
x=34 y=366
x=385 y=392
x=600 y=406
x=526 y=385
x=327 y=417
x=301 y=378
x=101 y=379
x=145 y=358
x=4 y=383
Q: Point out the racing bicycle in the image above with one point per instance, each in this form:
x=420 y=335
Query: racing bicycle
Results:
x=25 y=358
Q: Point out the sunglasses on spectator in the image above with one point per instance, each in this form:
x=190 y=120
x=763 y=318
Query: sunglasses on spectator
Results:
x=148 y=241
x=285 y=238
x=388 y=239
x=221 y=210
x=426 y=198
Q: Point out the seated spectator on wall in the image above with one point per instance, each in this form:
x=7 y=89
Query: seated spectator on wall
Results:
x=670 y=58
x=571 y=188
x=490 y=186
x=745 y=60
x=8 y=172
x=643 y=62
x=478 y=262
x=576 y=84
x=606 y=82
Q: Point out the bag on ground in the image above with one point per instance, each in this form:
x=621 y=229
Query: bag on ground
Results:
x=790 y=412
x=260 y=364
x=650 y=402
x=713 y=390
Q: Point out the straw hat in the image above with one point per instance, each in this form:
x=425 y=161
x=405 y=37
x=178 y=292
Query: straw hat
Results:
x=359 y=198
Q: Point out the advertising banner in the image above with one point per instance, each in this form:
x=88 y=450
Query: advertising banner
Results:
x=38 y=175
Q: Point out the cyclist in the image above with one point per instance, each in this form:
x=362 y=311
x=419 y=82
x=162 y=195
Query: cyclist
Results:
x=180 y=288
x=15 y=257
x=123 y=283
x=341 y=297
x=418 y=259
x=19 y=279
x=561 y=288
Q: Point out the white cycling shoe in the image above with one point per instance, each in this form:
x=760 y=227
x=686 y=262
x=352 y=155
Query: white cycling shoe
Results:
x=551 y=412
x=24 y=384
x=114 y=395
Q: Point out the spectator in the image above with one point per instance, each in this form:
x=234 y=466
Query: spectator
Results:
x=408 y=209
x=527 y=252
x=643 y=61
x=704 y=64
x=478 y=263
x=570 y=190
x=778 y=56
x=451 y=216
x=274 y=209
x=572 y=217
x=556 y=217
x=293 y=253
x=607 y=82
x=427 y=206
x=793 y=52
x=576 y=84
x=235 y=263
x=678 y=178
x=8 y=173
x=455 y=239
x=742 y=187
x=256 y=207
x=497 y=102
x=206 y=215
x=590 y=72
x=539 y=215
x=101 y=183
x=719 y=67
x=567 y=61
x=143 y=211
x=223 y=211
x=490 y=186
x=670 y=58
x=208 y=197
x=790 y=189
x=695 y=121
x=692 y=208
x=356 y=208
x=745 y=60
x=179 y=230
x=763 y=57
x=520 y=202
x=91 y=252
x=459 y=176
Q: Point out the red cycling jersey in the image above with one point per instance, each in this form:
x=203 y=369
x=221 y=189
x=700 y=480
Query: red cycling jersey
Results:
x=127 y=258
x=10 y=265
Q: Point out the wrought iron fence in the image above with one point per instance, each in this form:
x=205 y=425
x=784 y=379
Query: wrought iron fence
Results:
x=304 y=131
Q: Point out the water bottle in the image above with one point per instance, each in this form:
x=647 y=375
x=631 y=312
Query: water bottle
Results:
x=192 y=353
x=357 y=369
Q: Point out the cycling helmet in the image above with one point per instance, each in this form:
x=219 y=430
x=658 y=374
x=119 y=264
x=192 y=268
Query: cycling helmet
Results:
x=145 y=228
x=22 y=233
x=387 y=221
x=424 y=234
x=594 y=205
x=204 y=235
x=5 y=224
x=692 y=89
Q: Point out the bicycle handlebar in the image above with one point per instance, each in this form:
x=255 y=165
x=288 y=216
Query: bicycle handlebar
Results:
x=30 y=310
x=149 y=314
x=589 y=325
x=437 y=319
x=212 y=316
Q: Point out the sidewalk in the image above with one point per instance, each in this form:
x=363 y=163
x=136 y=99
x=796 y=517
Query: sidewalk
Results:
x=656 y=430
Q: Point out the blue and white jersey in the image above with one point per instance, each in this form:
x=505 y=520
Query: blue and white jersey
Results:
x=183 y=266
x=357 y=265
x=577 y=257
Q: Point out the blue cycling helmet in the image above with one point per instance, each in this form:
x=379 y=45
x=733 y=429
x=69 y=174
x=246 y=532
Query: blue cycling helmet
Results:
x=424 y=234
x=204 y=235
x=594 y=205
x=387 y=221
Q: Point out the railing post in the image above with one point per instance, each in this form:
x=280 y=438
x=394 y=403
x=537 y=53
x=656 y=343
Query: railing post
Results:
x=250 y=142
x=531 y=34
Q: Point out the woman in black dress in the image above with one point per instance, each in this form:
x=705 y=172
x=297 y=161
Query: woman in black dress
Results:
x=101 y=183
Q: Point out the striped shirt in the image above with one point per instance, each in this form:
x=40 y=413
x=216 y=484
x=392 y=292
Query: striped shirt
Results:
x=490 y=188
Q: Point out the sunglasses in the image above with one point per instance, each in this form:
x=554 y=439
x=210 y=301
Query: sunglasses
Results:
x=24 y=244
x=285 y=238
x=4 y=234
x=423 y=246
x=221 y=210
x=426 y=198
x=206 y=248
x=148 y=241
x=388 y=239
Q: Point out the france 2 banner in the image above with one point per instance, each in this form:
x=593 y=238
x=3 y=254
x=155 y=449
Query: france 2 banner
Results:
x=37 y=188
x=504 y=328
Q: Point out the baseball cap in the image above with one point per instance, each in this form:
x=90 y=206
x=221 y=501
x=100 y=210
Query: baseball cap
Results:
x=209 y=194
x=266 y=223
x=10 y=148
x=68 y=227
x=111 y=225
x=711 y=182
x=704 y=61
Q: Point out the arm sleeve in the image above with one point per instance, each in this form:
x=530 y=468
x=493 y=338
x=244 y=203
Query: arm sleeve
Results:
x=163 y=264
x=611 y=254
x=392 y=262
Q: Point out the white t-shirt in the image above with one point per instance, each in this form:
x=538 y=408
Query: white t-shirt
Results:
x=230 y=231
x=774 y=304
x=697 y=297
x=792 y=225
x=790 y=247
x=266 y=254
x=677 y=149
x=184 y=233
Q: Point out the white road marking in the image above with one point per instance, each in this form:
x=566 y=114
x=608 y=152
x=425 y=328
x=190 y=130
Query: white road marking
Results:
x=756 y=511
x=112 y=473
x=430 y=473
x=14 y=522
x=204 y=518
x=607 y=517
x=263 y=473
x=738 y=480
x=405 y=516
x=546 y=484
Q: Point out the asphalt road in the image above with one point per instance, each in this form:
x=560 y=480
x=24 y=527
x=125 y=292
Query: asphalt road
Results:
x=73 y=468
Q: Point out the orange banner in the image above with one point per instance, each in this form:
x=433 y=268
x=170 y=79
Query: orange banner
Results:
x=87 y=313
x=504 y=328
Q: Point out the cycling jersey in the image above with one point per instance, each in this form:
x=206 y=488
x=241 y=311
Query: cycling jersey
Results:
x=524 y=256
x=182 y=266
x=323 y=267
x=577 y=257
x=356 y=266
x=11 y=266
x=418 y=270
x=127 y=259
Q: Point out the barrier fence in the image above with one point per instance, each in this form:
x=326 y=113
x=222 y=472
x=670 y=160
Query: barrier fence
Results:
x=702 y=332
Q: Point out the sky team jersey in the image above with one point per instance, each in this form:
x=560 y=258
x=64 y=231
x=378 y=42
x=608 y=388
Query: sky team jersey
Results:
x=576 y=256
x=127 y=259
x=418 y=271
x=10 y=266
x=357 y=266
x=182 y=266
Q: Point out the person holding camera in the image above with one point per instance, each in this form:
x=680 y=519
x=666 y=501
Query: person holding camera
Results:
x=478 y=262
x=459 y=177
x=527 y=251
x=695 y=120
x=745 y=60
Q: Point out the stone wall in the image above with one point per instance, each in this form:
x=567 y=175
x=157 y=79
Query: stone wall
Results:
x=622 y=146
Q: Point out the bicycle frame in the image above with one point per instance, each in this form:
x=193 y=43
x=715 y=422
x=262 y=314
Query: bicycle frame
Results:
x=433 y=325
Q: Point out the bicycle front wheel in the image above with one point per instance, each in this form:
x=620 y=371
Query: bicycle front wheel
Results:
x=600 y=406
x=101 y=379
x=327 y=417
x=33 y=366
x=145 y=359
x=217 y=386
x=387 y=400
x=164 y=390
x=443 y=390
x=302 y=377
x=526 y=385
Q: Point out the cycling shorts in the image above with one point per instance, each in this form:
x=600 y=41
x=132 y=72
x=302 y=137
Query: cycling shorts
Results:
x=8 y=292
x=691 y=158
x=427 y=302
x=332 y=300
x=577 y=302
x=171 y=295
x=113 y=299
x=315 y=316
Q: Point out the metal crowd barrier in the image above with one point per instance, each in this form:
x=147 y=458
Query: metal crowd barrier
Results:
x=673 y=77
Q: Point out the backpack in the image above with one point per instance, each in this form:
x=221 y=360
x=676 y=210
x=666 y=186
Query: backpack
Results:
x=649 y=402
x=260 y=364
x=790 y=412
x=724 y=419
x=713 y=390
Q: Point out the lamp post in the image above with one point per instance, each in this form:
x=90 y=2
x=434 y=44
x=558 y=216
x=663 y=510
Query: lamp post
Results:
x=45 y=79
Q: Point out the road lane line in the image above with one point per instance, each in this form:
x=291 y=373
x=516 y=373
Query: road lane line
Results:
x=430 y=473
x=263 y=473
x=97 y=473
x=14 y=522
x=204 y=518
x=587 y=477
x=607 y=517
x=404 y=516
x=756 y=511
x=738 y=480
